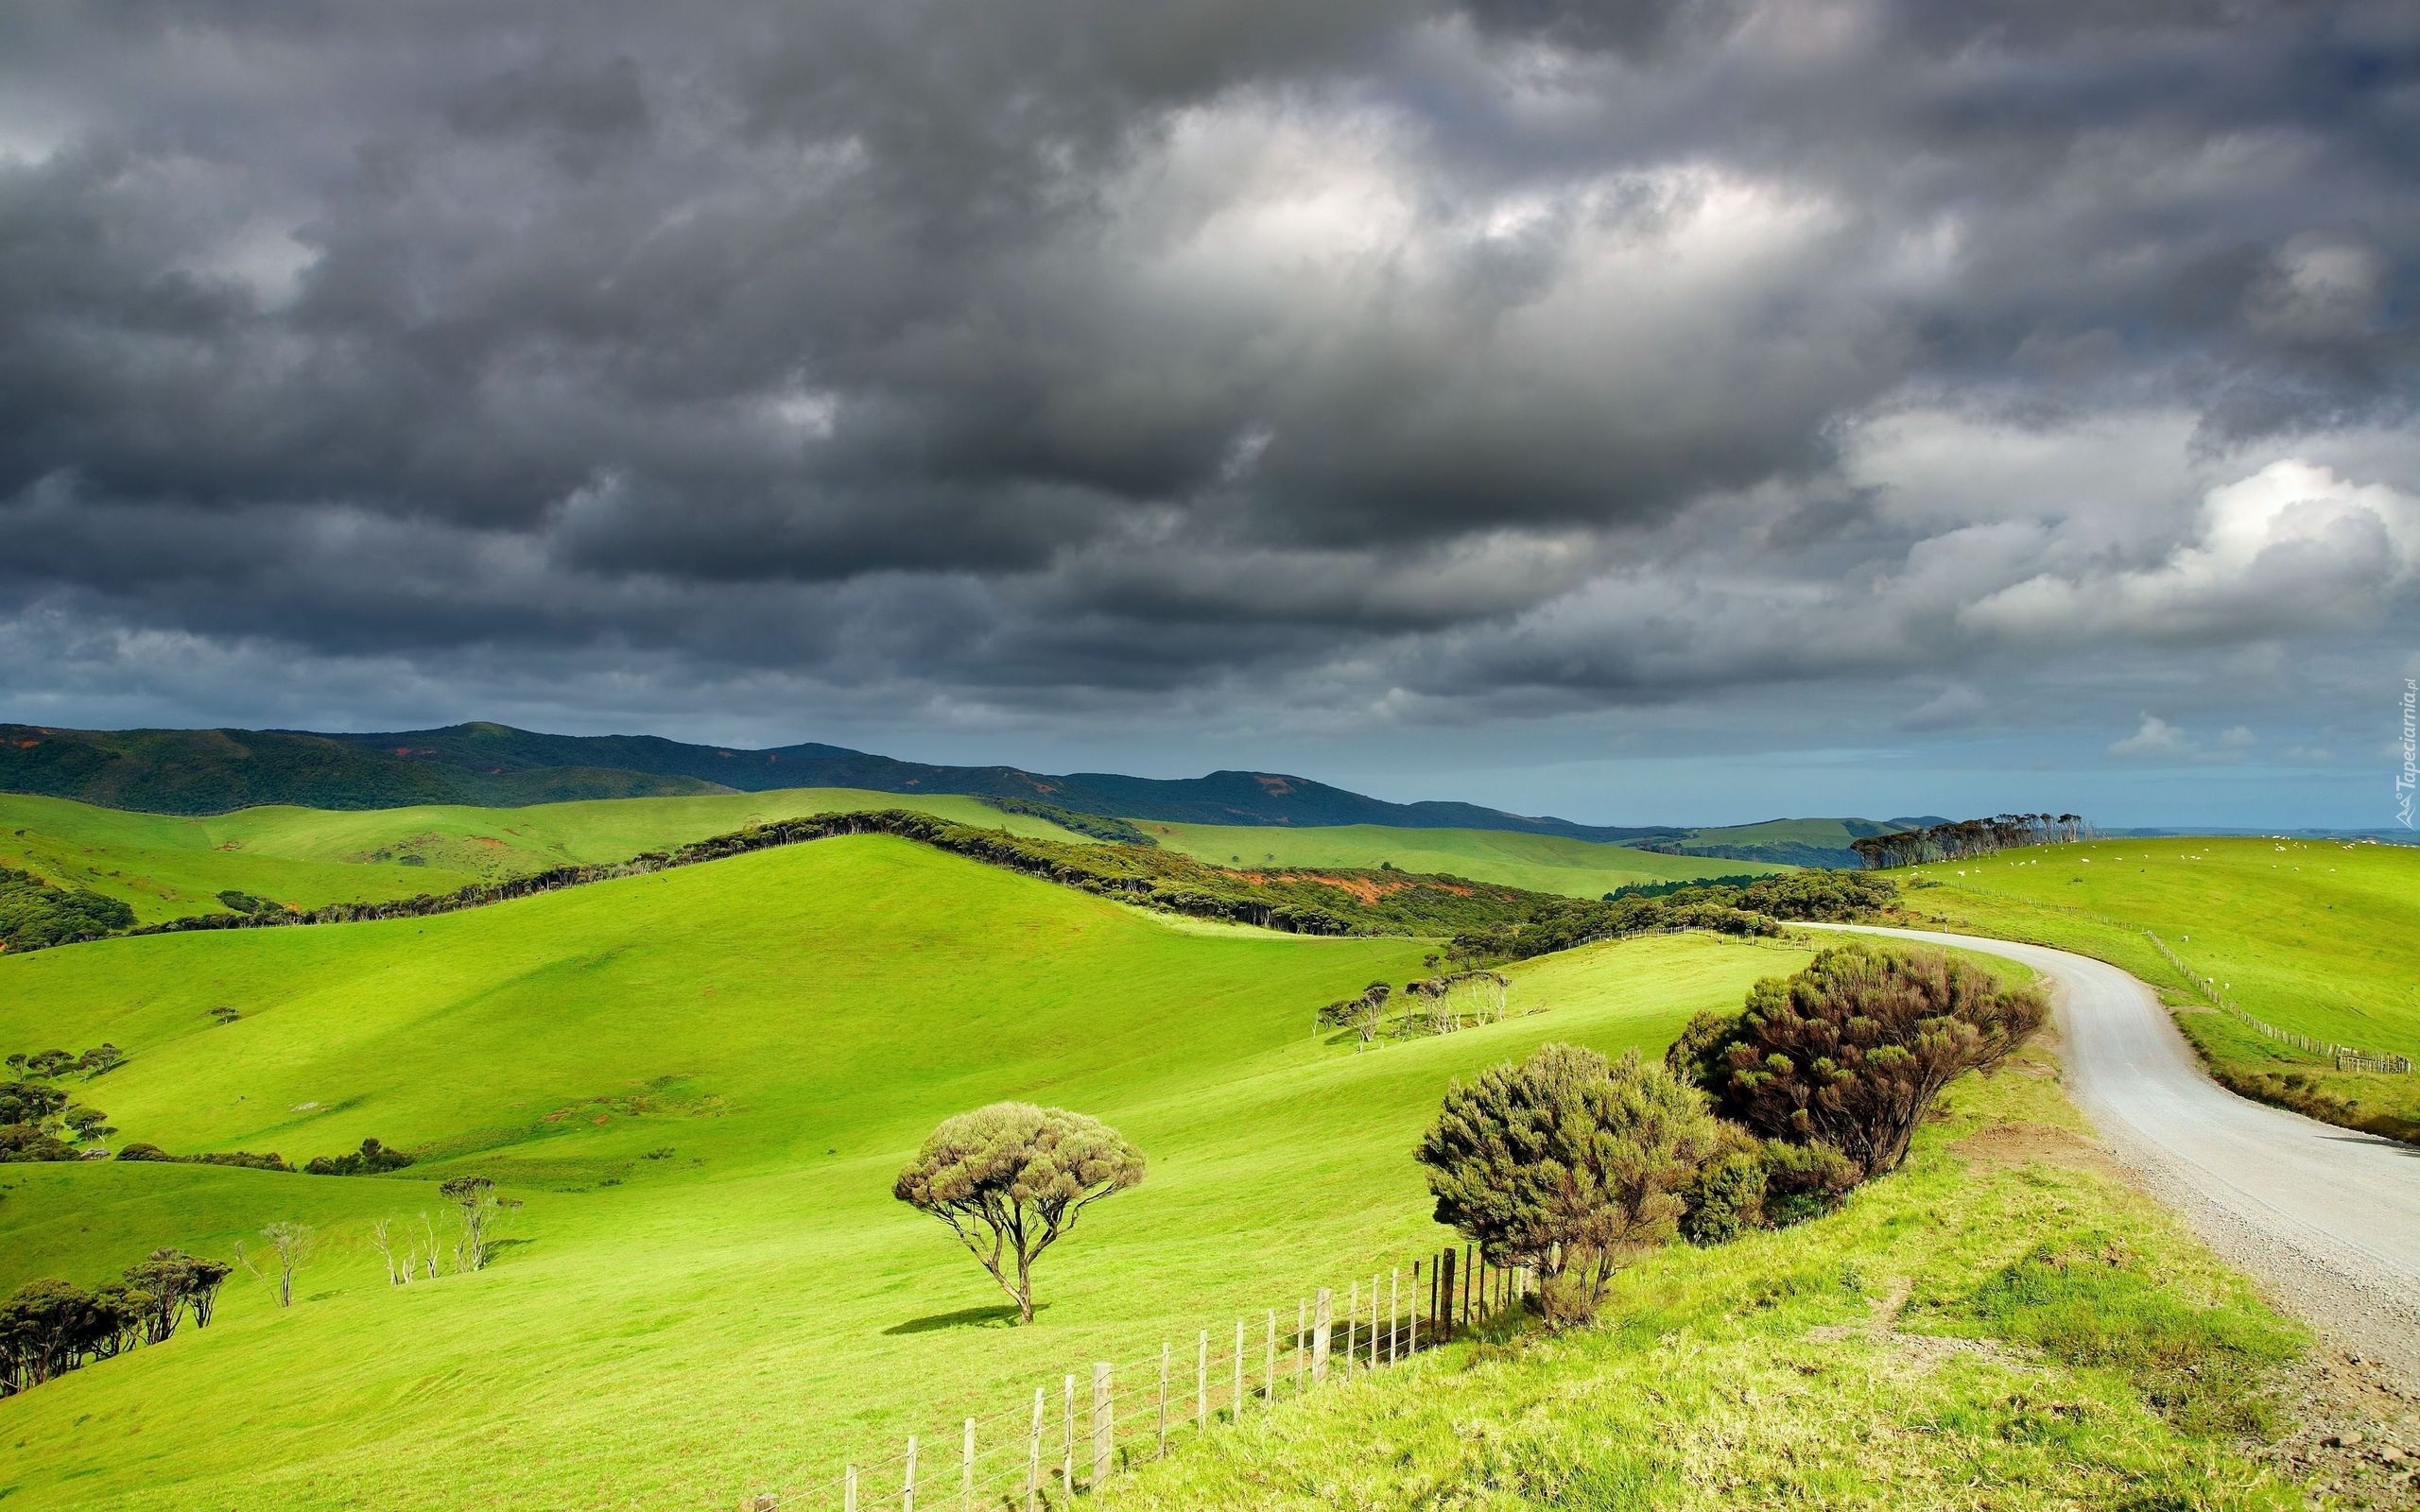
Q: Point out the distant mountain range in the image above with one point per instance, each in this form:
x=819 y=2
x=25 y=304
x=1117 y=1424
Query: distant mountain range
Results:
x=211 y=771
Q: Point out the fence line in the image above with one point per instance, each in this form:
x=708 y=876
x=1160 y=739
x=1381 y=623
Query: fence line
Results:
x=1125 y=1418
x=2346 y=1058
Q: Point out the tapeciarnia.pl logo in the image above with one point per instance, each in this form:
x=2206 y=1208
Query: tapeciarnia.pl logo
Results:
x=2405 y=778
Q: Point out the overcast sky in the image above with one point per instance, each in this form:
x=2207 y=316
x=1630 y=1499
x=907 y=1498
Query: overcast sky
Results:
x=1637 y=412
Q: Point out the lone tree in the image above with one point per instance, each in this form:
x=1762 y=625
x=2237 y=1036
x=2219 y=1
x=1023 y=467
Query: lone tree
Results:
x=1011 y=1180
x=1852 y=1050
x=1568 y=1163
x=475 y=1197
x=291 y=1244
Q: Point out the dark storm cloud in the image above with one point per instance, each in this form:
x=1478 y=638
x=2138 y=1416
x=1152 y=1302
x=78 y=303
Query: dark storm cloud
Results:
x=1371 y=355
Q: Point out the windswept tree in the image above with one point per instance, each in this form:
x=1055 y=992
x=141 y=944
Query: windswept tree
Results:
x=1011 y=1180
x=1852 y=1050
x=1567 y=1163
x=170 y=1282
x=47 y=1328
x=1364 y=1014
x=289 y=1246
x=475 y=1198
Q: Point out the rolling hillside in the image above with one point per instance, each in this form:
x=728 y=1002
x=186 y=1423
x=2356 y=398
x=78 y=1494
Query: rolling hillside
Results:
x=1542 y=863
x=701 y=1082
x=167 y=867
x=784 y=1027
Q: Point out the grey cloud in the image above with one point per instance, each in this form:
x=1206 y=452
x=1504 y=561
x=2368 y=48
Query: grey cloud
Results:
x=1384 y=355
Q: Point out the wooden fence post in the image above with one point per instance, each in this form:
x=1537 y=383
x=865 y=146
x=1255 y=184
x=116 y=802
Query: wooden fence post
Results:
x=907 y=1485
x=1268 y=1363
x=966 y=1470
x=848 y=1489
x=1237 y=1414
x=1067 y=1442
x=1202 y=1386
x=1033 y=1455
x=1163 y=1399
x=1373 y=1320
x=1352 y=1324
x=1302 y=1341
x=1104 y=1428
x=1319 y=1325
x=1441 y=1279
x=1467 y=1279
x=1394 y=1314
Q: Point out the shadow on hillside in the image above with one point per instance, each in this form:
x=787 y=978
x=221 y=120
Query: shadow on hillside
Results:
x=965 y=1318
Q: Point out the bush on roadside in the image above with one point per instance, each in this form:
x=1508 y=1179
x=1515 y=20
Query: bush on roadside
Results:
x=1750 y=1183
x=1567 y=1163
x=1852 y=1052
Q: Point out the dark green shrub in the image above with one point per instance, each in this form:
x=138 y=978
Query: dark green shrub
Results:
x=1852 y=1050
x=1567 y=1163
x=1805 y=1181
x=370 y=1160
x=34 y=914
x=245 y=1159
x=1726 y=1200
x=1751 y=1183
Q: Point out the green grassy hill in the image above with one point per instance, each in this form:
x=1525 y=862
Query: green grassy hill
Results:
x=701 y=1081
x=2317 y=936
x=1541 y=863
x=1783 y=842
x=167 y=866
x=786 y=1026
x=2005 y=1325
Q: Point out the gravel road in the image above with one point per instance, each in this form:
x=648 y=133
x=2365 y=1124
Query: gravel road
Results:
x=2329 y=1217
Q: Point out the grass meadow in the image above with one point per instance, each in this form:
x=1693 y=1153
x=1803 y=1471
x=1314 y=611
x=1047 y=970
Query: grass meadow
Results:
x=2316 y=936
x=167 y=866
x=700 y=1083
x=1541 y=863
x=2000 y=1325
x=750 y=1304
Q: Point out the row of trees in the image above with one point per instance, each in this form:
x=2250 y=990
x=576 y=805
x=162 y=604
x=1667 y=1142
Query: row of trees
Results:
x=1751 y=909
x=57 y=1065
x=1435 y=1004
x=1571 y=1164
x=49 y=1328
x=1964 y=839
x=34 y=914
x=40 y=1122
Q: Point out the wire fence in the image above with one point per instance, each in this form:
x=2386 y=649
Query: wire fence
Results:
x=2346 y=1058
x=1078 y=1434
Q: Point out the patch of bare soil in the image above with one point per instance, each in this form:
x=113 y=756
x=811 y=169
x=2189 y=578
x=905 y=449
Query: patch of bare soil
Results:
x=2025 y=1144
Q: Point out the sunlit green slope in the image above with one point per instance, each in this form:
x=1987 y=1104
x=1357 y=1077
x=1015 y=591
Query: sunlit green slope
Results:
x=1542 y=863
x=701 y=1083
x=2317 y=936
x=166 y=866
